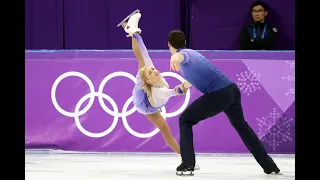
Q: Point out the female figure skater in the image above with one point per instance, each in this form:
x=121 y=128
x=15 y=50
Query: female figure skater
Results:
x=151 y=91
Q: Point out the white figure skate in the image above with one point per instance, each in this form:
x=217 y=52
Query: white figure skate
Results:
x=131 y=27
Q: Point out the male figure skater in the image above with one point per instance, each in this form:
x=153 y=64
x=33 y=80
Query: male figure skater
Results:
x=220 y=95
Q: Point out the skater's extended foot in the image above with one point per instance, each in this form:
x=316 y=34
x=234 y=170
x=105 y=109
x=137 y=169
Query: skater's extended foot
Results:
x=270 y=167
x=131 y=27
x=275 y=170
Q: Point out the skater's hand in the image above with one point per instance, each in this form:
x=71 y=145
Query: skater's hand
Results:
x=176 y=90
x=181 y=86
x=175 y=61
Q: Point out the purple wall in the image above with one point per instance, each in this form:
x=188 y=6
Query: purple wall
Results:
x=266 y=80
x=44 y=24
x=88 y=24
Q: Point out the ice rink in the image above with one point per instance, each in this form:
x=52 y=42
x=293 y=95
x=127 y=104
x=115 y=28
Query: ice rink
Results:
x=116 y=166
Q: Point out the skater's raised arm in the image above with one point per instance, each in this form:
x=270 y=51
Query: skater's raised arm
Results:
x=143 y=50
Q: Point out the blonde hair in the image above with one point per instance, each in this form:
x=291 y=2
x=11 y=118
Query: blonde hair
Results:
x=145 y=86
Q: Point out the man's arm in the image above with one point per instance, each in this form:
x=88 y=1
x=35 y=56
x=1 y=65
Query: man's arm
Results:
x=175 y=61
x=178 y=56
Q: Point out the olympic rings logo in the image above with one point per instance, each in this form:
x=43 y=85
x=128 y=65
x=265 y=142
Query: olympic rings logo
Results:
x=115 y=113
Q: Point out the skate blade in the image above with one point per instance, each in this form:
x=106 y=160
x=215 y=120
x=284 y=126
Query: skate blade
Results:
x=125 y=19
x=276 y=174
x=184 y=173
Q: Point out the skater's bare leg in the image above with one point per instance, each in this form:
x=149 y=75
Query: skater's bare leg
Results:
x=157 y=120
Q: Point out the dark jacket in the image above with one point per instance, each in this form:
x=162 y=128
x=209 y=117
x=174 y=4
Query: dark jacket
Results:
x=258 y=36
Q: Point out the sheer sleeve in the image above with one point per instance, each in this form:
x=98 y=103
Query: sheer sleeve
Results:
x=160 y=96
x=165 y=93
x=144 y=51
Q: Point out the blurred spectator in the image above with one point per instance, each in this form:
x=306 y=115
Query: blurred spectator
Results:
x=258 y=35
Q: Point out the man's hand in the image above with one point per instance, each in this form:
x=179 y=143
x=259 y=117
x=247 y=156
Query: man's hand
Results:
x=187 y=85
x=175 y=61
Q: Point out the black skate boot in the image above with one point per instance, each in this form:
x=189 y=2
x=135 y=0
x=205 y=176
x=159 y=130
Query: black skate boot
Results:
x=275 y=170
x=185 y=169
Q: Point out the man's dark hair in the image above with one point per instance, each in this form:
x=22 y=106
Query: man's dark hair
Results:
x=259 y=3
x=177 y=39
